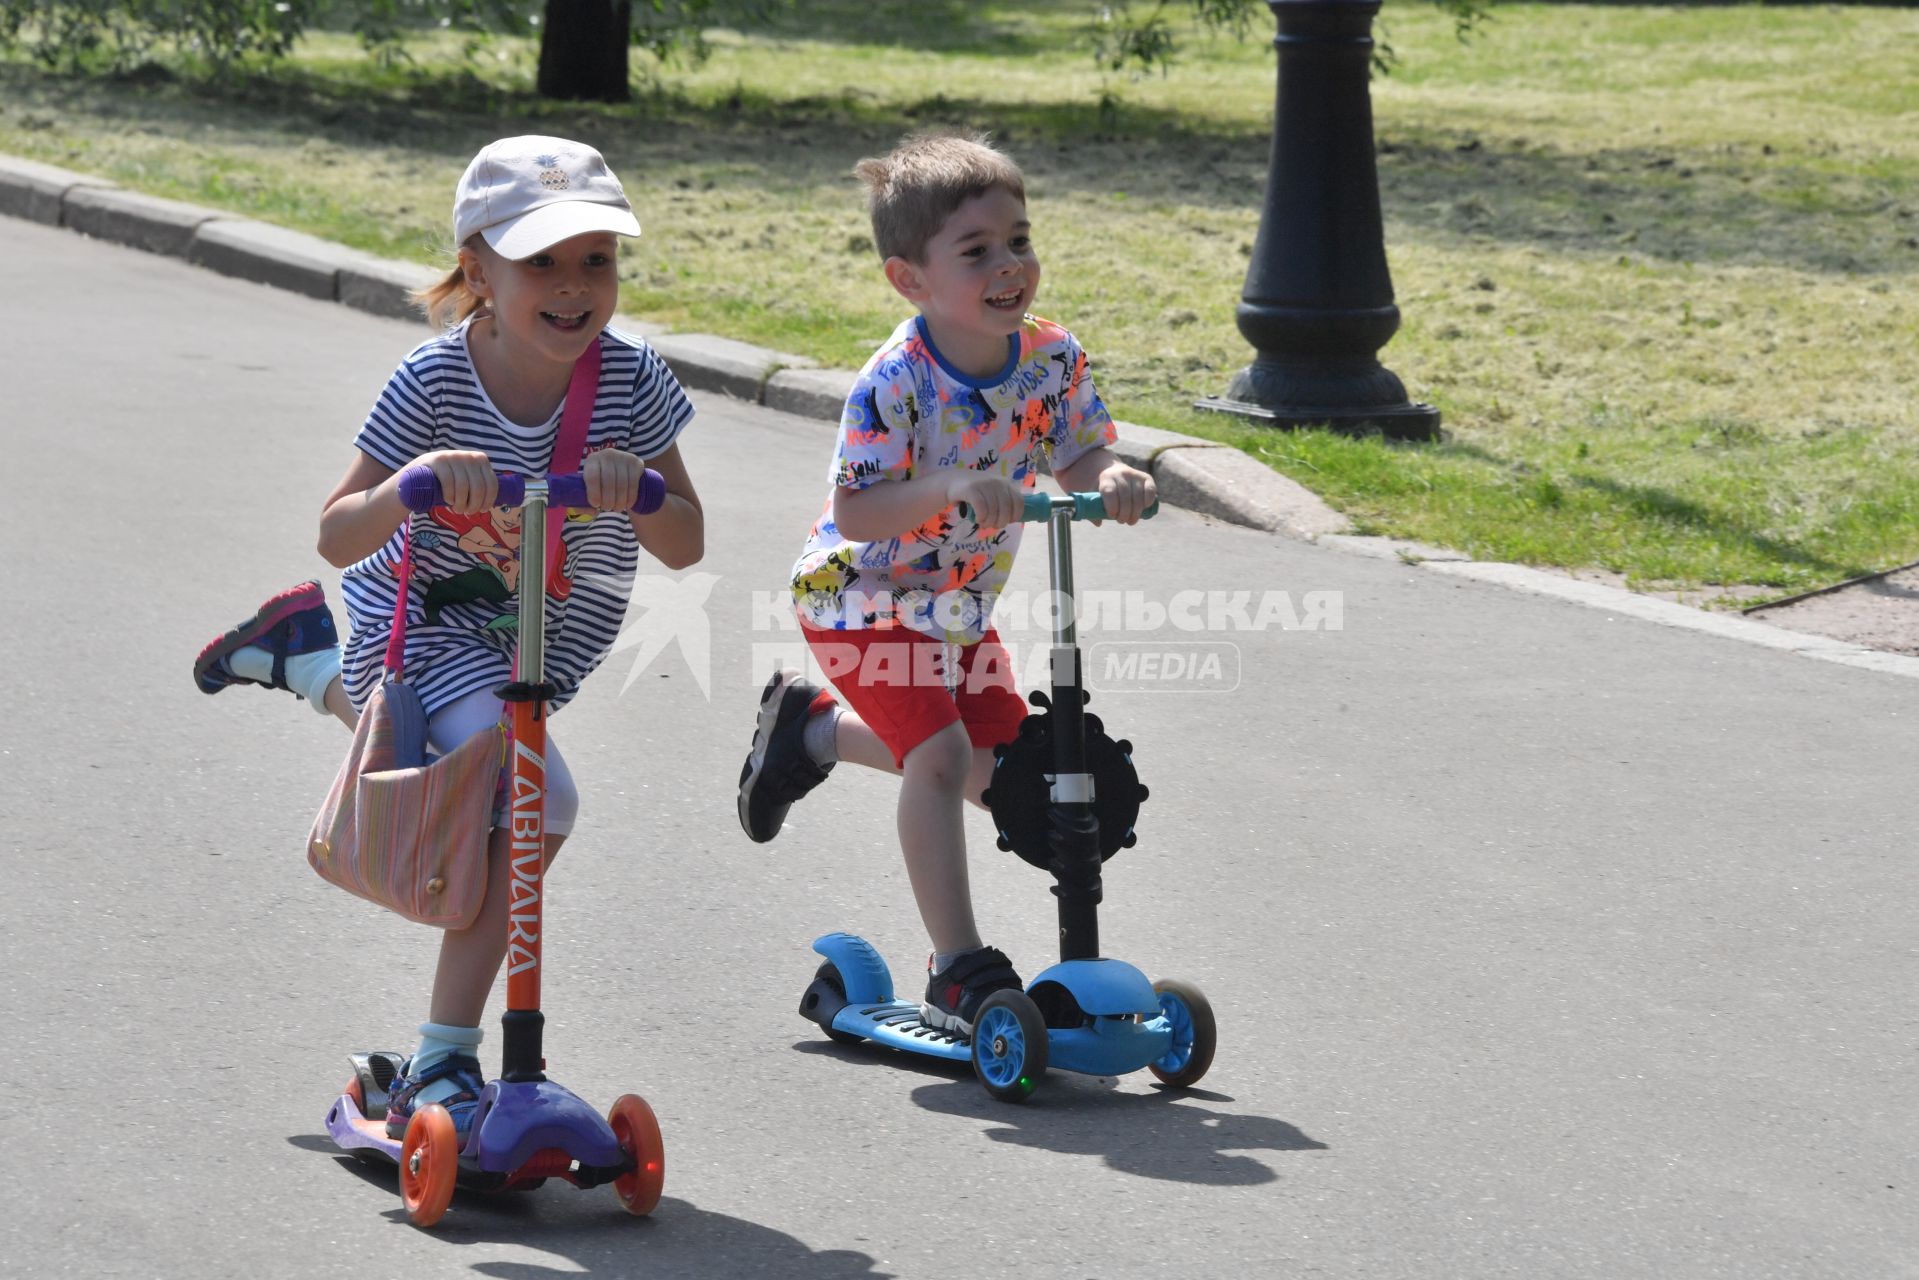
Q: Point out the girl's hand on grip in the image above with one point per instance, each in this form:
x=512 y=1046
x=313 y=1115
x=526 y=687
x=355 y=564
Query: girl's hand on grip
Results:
x=468 y=484
x=612 y=479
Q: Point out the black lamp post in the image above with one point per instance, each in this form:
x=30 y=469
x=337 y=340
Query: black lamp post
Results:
x=1318 y=302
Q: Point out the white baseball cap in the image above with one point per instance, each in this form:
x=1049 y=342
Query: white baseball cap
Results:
x=529 y=193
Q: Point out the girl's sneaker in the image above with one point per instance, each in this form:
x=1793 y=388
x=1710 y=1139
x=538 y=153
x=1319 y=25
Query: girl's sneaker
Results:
x=953 y=995
x=292 y=624
x=462 y=1071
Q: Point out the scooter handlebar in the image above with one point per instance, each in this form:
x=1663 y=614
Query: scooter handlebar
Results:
x=420 y=490
x=1086 y=506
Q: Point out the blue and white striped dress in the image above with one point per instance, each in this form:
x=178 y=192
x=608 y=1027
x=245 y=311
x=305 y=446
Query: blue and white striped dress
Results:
x=461 y=610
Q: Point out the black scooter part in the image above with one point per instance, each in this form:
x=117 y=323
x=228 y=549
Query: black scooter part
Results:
x=1020 y=792
x=376 y=1073
x=823 y=998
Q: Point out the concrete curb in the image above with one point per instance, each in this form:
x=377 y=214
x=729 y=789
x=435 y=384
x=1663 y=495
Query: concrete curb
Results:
x=140 y=222
x=1199 y=475
x=710 y=363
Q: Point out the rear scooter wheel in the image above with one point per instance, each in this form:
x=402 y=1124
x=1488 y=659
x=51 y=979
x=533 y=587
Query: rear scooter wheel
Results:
x=429 y=1164
x=638 y=1130
x=1195 y=1033
x=829 y=973
x=1009 y=1045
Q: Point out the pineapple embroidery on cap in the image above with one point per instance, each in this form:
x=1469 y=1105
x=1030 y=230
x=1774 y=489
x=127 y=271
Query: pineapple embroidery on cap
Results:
x=552 y=177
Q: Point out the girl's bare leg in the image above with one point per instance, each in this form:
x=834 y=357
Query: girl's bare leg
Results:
x=338 y=703
x=470 y=957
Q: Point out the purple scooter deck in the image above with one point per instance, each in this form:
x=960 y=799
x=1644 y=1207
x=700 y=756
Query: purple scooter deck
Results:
x=513 y=1124
x=351 y=1131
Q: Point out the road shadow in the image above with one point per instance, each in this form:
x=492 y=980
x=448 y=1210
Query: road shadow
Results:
x=1169 y=1135
x=1165 y=1134
x=592 y=1235
x=866 y=1054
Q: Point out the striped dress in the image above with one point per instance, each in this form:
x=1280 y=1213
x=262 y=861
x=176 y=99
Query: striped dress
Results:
x=462 y=609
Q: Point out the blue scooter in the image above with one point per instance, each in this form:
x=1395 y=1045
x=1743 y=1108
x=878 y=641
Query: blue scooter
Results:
x=1064 y=796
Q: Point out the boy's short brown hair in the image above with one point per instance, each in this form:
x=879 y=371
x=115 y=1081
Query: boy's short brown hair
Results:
x=914 y=189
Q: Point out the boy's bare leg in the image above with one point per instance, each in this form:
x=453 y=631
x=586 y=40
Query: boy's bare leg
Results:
x=932 y=830
x=860 y=745
x=470 y=957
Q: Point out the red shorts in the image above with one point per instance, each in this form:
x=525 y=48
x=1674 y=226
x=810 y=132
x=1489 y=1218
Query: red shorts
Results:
x=894 y=680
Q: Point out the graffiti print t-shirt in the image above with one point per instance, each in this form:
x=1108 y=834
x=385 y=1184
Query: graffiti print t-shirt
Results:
x=910 y=413
x=462 y=607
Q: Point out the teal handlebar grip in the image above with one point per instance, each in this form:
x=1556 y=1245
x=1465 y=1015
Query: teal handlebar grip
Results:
x=1038 y=507
x=1086 y=506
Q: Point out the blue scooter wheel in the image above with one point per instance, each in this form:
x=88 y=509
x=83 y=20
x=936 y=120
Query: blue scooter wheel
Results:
x=1195 y=1033
x=1009 y=1045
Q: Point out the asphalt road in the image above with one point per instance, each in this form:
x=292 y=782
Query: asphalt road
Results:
x=1543 y=943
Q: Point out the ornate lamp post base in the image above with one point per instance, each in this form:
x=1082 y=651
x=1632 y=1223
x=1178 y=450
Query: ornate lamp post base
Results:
x=1404 y=421
x=1318 y=302
x=1354 y=394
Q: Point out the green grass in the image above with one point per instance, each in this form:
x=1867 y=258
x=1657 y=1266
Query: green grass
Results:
x=1657 y=266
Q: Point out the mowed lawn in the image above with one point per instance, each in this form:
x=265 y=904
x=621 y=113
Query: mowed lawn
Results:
x=1658 y=267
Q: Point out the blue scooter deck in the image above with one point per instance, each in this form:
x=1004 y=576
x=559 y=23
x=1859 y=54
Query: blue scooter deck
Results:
x=898 y=1025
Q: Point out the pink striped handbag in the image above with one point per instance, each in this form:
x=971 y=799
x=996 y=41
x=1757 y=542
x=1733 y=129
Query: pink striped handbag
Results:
x=402 y=832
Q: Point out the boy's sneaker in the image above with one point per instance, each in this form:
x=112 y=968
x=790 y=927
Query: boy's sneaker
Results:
x=953 y=995
x=779 y=769
x=463 y=1070
x=293 y=623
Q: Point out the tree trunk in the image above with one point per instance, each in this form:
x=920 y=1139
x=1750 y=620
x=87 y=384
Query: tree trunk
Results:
x=583 y=50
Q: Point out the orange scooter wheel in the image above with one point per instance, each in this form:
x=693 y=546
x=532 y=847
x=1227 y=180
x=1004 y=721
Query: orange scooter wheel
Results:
x=429 y=1164
x=638 y=1130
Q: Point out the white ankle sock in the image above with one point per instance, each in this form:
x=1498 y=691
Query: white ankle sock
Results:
x=438 y=1042
x=307 y=674
x=820 y=737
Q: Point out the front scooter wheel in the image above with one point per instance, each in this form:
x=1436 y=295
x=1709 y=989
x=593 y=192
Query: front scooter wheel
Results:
x=1195 y=1033
x=638 y=1130
x=429 y=1164
x=1009 y=1045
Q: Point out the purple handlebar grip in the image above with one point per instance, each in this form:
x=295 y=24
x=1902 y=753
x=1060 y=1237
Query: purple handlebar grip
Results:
x=420 y=490
x=569 y=490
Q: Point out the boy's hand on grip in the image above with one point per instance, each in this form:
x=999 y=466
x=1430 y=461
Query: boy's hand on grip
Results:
x=995 y=501
x=1127 y=492
x=468 y=484
x=612 y=479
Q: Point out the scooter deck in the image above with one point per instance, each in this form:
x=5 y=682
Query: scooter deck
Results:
x=523 y=1134
x=898 y=1025
x=353 y=1133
